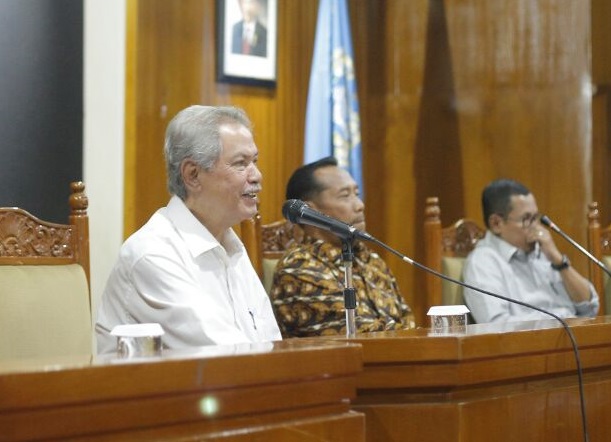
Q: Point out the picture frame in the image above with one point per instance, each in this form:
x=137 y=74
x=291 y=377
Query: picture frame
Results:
x=246 y=54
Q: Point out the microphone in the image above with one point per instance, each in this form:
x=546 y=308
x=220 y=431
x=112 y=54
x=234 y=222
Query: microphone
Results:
x=298 y=212
x=548 y=222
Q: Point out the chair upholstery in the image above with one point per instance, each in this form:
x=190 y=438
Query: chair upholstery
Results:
x=266 y=243
x=599 y=244
x=45 y=306
x=445 y=251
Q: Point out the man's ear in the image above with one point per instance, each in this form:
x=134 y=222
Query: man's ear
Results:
x=189 y=171
x=495 y=222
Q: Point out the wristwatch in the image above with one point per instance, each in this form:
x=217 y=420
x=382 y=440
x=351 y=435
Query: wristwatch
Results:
x=564 y=264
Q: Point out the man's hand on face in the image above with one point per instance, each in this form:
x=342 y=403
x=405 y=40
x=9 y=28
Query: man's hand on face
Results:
x=537 y=233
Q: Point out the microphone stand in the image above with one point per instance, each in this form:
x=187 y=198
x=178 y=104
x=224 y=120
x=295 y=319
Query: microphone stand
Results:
x=349 y=291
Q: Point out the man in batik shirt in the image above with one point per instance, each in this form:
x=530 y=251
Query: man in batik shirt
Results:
x=308 y=286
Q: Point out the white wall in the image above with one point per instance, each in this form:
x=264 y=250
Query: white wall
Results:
x=104 y=109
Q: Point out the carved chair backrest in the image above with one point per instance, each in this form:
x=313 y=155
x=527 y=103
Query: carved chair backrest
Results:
x=445 y=251
x=599 y=244
x=45 y=306
x=266 y=243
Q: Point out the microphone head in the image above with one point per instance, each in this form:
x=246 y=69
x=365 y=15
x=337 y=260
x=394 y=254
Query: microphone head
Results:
x=546 y=221
x=291 y=209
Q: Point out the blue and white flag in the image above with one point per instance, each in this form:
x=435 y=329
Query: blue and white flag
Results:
x=333 y=127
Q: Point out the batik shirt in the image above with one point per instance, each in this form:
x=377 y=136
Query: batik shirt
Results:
x=308 y=291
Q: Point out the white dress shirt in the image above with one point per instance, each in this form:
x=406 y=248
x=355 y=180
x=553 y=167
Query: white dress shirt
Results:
x=249 y=32
x=174 y=272
x=497 y=266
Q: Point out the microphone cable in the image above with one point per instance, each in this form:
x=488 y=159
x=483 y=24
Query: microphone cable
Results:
x=568 y=330
x=298 y=212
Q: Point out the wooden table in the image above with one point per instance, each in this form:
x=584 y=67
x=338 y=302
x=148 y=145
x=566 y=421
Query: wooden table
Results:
x=285 y=391
x=512 y=382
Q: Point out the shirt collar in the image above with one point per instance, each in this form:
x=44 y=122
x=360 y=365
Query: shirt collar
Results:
x=506 y=250
x=195 y=235
x=249 y=29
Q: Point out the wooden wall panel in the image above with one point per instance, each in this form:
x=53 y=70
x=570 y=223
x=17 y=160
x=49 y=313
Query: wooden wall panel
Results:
x=522 y=81
x=164 y=74
x=476 y=90
x=601 y=115
x=601 y=152
x=391 y=104
x=453 y=93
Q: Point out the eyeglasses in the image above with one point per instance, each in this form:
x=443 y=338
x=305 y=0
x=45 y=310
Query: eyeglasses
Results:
x=526 y=221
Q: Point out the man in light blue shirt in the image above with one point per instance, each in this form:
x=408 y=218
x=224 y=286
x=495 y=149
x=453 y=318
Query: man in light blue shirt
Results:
x=518 y=259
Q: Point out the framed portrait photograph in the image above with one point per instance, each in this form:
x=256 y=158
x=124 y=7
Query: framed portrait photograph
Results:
x=247 y=40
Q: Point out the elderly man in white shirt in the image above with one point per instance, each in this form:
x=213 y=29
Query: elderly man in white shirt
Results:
x=185 y=268
x=518 y=259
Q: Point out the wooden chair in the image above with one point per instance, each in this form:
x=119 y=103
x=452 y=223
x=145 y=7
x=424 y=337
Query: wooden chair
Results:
x=445 y=251
x=599 y=244
x=266 y=243
x=45 y=306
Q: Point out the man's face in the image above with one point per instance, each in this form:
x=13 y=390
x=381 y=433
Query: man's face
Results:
x=523 y=217
x=340 y=197
x=250 y=9
x=231 y=187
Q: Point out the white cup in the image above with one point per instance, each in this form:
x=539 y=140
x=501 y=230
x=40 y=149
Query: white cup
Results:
x=448 y=319
x=138 y=340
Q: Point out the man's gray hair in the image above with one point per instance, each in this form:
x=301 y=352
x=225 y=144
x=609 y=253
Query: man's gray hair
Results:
x=194 y=134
